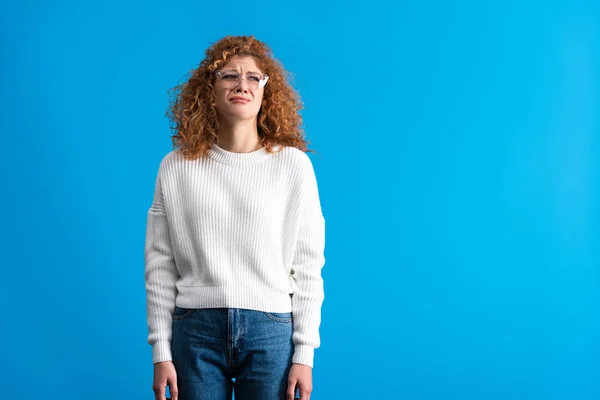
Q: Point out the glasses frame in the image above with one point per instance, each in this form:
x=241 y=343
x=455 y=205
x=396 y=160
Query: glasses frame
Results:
x=261 y=83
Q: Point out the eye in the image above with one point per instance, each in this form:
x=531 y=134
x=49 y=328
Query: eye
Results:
x=255 y=78
x=229 y=76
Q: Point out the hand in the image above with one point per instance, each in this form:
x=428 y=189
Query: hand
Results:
x=164 y=373
x=300 y=376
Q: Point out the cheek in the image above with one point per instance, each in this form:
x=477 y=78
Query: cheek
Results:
x=259 y=98
x=220 y=97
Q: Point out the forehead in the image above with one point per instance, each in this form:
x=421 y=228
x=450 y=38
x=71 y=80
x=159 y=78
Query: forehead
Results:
x=242 y=63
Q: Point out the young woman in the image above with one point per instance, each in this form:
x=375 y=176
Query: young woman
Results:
x=235 y=236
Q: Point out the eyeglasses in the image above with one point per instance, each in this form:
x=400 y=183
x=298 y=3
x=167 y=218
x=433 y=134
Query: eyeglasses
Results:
x=232 y=78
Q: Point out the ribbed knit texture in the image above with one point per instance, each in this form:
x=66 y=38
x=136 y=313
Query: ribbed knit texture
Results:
x=240 y=230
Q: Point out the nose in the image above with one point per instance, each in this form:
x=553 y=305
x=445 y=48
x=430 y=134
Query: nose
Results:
x=242 y=85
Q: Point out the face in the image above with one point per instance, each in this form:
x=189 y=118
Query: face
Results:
x=225 y=104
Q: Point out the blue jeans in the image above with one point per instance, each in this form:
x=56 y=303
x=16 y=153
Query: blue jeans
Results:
x=220 y=351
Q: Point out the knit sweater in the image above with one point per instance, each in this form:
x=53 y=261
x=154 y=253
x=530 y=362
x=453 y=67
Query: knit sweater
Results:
x=240 y=230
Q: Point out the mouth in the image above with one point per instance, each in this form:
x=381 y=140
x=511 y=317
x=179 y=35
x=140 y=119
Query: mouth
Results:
x=239 y=100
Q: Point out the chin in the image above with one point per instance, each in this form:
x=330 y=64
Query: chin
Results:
x=243 y=115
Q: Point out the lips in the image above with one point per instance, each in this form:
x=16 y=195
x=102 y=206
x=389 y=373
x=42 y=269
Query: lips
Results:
x=239 y=100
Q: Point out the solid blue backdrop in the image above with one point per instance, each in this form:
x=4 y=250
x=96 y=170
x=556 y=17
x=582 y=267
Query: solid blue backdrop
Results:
x=458 y=170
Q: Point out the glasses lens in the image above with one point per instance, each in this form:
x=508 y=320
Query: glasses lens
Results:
x=230 y=76
x=231 y=79
x=253 y=77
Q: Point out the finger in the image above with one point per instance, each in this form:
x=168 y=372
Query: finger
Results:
x=304 y=394
x=159 y=392
x=291 y=390
x=173 y=389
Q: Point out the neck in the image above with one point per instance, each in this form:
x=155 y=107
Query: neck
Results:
x=240 y=136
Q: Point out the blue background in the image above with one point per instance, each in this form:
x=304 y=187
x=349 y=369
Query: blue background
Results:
x=458 y=168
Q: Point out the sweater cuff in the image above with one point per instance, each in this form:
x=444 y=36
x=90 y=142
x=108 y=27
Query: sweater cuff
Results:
x=161 y=351
x=303 y=354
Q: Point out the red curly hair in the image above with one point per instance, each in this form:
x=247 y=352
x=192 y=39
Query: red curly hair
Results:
x=195 y=119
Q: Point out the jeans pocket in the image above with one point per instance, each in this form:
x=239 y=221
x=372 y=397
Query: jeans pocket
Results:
x=282 y=317
x=182 y=313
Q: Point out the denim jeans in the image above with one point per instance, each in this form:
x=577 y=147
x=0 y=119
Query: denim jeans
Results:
x=220 y=351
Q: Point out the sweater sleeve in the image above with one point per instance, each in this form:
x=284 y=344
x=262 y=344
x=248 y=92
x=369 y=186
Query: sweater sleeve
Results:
x=308 y=261
x=160 y=276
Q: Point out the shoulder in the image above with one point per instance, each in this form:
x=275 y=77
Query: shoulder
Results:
x=171 y=157
x=166 y=164
x=170 y=160
x=300 y=169
x=296 y=157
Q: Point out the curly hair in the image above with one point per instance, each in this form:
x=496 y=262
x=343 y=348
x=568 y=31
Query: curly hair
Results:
x=194 y=119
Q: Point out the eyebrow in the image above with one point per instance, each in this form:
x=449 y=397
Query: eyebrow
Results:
x=249 y=72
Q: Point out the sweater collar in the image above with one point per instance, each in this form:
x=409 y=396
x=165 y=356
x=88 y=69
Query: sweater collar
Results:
x=228 y=157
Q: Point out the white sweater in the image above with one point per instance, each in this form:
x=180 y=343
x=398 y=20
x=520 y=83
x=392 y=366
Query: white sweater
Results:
x=241 y=230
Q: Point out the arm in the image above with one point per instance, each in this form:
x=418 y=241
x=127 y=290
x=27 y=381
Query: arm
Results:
x=308 y=261
x=160 y=276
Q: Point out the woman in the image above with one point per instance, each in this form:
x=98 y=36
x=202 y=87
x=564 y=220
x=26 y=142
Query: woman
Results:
x=235 y=236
